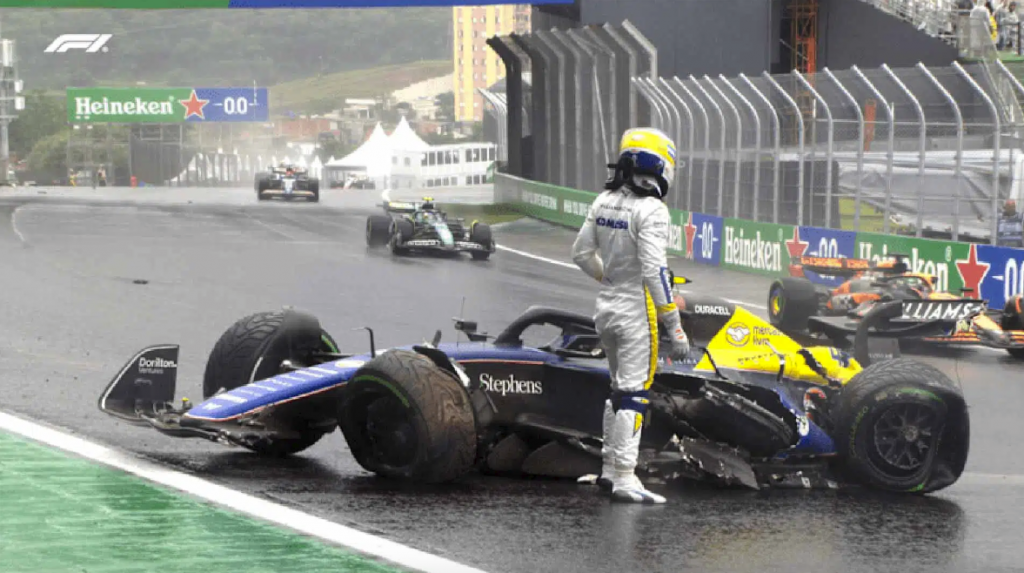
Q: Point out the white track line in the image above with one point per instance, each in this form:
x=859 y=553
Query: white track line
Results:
x=14 y=224
x=574 y=267
x=353 y=539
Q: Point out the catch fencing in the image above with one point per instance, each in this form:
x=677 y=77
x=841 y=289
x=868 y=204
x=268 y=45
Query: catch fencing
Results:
x=923 y=151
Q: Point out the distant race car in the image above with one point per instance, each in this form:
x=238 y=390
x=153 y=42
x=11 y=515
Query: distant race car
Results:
x=799 y=307
x=752 y=408
x=408 y=228
x=287 y=182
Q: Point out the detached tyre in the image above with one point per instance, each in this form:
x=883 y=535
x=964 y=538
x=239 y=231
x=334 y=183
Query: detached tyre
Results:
x=406 y=418
x=254 y=348
x=902 y=426
x=481 y=233
x=1013 y=319
x=791 y=301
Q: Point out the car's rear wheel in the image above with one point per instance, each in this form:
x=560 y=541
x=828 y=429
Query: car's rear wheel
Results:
x=406 y=418
x=901 y=425
x=314 y=188
x=1013 y=319
x=254 y=348
x=480 y=233
x=791 y=301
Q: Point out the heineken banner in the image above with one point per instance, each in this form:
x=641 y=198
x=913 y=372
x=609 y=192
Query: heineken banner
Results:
x=167 y=105
x=981 y=271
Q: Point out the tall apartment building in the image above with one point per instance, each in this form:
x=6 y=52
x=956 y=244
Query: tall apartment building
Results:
x=476 y=64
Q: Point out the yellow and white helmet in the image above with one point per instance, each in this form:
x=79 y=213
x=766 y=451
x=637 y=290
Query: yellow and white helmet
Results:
x=652 y=154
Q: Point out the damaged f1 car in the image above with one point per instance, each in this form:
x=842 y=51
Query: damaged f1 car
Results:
x=801 y=308
x=752 y=408
x=408 y=228
x=287 y=182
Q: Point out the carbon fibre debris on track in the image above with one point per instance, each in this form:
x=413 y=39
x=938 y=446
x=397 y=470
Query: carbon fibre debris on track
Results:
x=61 y=514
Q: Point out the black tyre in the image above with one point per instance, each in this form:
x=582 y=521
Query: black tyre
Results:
x=260 y=184
x=406 y=418
x=401 y=231
x=481 y=233
x=1013 y=319
x=732 y=419
x=791 y=301
x=378 y=230
x=314 y=188
x=254 y=348
x=901 y=425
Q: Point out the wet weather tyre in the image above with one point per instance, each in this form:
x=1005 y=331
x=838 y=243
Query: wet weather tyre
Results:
x=401 y=231
x=902 y=426
x=725 y=417
x=791 y=301
x=481 y=233
x=260 y=184
x=252 y=349
x=378 y=230
x=406 y=418
x=314 y=188
x=1013 y=320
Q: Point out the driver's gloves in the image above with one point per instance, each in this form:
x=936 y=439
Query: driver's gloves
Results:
x=680 y=344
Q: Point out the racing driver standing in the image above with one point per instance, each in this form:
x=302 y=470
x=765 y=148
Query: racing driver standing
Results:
x=623 y=245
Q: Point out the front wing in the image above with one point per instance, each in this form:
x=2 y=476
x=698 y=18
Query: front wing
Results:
x=437 y=245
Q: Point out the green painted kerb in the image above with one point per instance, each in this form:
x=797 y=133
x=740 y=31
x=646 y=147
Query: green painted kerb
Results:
x=65 y=514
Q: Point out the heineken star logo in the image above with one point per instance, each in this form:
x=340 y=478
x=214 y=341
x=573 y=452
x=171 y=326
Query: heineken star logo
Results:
x=194 y=106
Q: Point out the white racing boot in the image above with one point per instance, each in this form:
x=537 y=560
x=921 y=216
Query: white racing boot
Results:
x=627 y=426
x=604 y=480
x=628 y=488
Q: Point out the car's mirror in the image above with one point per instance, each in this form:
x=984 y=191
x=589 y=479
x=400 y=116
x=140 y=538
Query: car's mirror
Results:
x=596 y=353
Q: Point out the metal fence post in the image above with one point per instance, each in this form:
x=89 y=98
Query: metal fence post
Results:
x=860 y=147
x=631 y=67
x=690 y=138
x=707 y=144
x=777 y=153
x=958 y=168
x=677 y=135
x=613 y=120
x=721 y=159
x=829 y=151
x=757 y=144
x=800 y=145
x=582 y=145
x=739 y=146
x=644 y=91
x=997 y=135
x=890 y=158
x=557 y=151
x=922 y=144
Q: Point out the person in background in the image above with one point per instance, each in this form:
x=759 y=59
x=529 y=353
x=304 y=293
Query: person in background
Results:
x=101 y=174
x=1008 y=27
x=993 y=25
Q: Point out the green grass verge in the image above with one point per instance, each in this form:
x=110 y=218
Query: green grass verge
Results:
x=490 y=214
x=330 y=90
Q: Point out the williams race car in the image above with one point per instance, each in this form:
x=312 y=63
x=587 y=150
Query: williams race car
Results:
x=287 y=182
x=408 y=228
x=800 y=307
x=752 y=408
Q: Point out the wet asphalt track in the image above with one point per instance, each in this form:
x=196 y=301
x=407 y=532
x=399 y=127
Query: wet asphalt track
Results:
x=72 y=313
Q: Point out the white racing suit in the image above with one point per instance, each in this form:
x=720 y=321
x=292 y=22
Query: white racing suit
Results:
x=631 y=233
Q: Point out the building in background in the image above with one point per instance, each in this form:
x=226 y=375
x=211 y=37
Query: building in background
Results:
x=476 y=65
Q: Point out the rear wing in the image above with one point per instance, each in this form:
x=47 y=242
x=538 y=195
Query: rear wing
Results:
x=400 y=206
x=833 y=266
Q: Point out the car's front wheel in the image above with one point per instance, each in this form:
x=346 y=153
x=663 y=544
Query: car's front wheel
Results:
x=901 y=425
x=406 y=418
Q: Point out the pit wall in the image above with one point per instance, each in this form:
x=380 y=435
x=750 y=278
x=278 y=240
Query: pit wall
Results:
x=994 y=273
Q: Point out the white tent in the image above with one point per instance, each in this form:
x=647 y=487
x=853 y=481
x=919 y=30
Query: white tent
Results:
x=403 y=138
x=316 y=167
x=373 y=156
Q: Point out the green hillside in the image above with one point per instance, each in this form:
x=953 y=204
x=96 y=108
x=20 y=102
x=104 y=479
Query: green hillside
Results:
x=327 y=92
